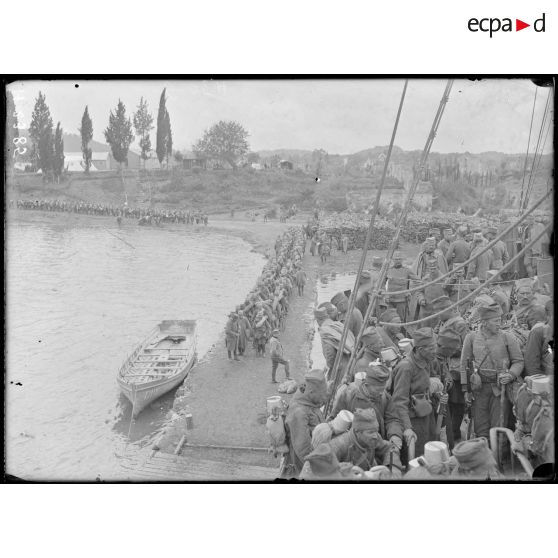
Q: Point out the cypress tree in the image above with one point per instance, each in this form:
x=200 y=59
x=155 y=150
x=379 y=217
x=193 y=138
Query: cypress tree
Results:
x=162 y=134
x=40 y=132
x=86 y=132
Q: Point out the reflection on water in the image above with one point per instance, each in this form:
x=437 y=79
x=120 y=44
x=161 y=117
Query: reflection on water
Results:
x=328 y=285
x=78 y=301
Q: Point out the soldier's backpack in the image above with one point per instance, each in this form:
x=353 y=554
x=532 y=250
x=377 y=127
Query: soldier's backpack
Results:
x=277 y=432
x=542 y=431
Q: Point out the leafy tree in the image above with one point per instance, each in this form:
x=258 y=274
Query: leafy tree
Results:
x=58 y=157
x=162 y=135
x=143 y=123
x=178 y=157
x=40 y=132
x=225 y=140
x=119 y=134
x=86 y=132
x=169 y=136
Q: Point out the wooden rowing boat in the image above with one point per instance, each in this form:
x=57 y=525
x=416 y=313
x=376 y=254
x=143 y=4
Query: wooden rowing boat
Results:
x=158 y=364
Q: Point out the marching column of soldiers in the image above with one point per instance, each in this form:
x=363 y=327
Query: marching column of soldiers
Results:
x=451 y=378
x=261 y=317
x=144 y=216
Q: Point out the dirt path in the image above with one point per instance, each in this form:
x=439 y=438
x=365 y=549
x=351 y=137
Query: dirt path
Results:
x=227 y=399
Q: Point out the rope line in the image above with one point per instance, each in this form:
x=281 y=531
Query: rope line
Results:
x=485 y=248
x=477 y=290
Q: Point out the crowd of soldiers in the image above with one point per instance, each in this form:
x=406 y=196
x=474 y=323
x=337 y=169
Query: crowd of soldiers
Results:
x=262 y=316
x=449 y=379
x=144 y=216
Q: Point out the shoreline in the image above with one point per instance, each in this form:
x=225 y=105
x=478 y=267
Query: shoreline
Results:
x=227 y=399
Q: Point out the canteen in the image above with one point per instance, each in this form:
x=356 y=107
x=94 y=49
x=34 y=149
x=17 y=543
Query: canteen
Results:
x=274 y=402
x=436 y=453
x=342 y=422
x=359 y=378
x=405 y=346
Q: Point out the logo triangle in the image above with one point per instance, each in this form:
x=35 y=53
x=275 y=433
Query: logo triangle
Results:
x=519 y=25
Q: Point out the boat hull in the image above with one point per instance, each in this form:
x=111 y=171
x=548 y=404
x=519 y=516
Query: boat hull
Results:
x=143 y=395
x=159 y=364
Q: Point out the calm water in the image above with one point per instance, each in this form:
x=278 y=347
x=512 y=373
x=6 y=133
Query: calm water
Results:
x=78 y=301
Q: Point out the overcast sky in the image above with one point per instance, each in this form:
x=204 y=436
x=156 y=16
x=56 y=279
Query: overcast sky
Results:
x=340 y=116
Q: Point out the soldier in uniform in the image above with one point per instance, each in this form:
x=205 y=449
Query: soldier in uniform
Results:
x=372 y=394
x=534 y=411
x=303 y=416
x=452 y=331
x=411 y=392
x=330 y=334
x=502 y=363
x=341 y=302
x=429 y=293
x=398 y=278
x=481 y=264
x=363 y=445
x=525 y=302
x=500 y=254
x=444 y=244
x=421 y=265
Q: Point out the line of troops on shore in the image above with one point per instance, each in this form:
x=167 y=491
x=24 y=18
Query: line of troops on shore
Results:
x=144 y=216
x=487 y=364
x=262 y=315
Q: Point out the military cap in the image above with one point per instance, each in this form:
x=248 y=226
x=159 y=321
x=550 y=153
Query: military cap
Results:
x=524 y=283
x=423 y=337
x=377 y=262
x=430 y=240
x=339 y=297
x=320 y=313
x=493 y=310
x=315 y=375
x=371 y=338
x=449 y=339
x=275 y=332
x=477 y=236
x=365 y=419
x=537 y=313
x=365 y=276
x=473 y=453
x=433 y=231
x=377 y=374
x=448 y=230
x=492 y=230
x=441 y=303
x=483 y=300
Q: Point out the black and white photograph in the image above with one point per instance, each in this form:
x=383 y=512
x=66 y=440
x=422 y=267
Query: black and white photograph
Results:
x=335 y=279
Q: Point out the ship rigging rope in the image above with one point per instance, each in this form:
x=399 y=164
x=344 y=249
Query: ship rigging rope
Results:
x=494 y=279
x=537 y=162
x=352 y=297
x=527 y=154
x=336 y=371
x=471 y=259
